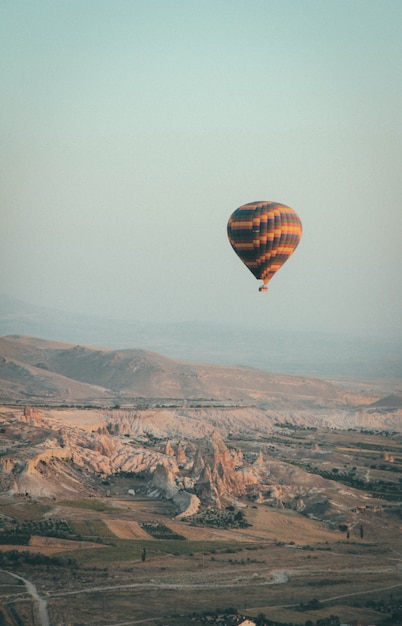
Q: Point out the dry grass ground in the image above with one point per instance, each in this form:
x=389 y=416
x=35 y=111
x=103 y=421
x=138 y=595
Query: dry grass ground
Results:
x=280 y=561
x=126 y=529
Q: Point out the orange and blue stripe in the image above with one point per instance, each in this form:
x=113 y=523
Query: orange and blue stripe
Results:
x=264 y=235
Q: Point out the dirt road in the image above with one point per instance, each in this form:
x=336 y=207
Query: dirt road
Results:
x=41 y=604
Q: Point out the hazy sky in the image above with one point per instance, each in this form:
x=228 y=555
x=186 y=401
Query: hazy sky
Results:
x=132 y=129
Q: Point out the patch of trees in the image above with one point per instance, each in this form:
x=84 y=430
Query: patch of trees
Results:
x=247 y=561
x=380 y=488
x=393 y=608
x=46 y=528
x=291 y=426
x=20 y=532
x=225 y=518
x=14 y=538
x=16 y=557
x=160 y=531
x=387 y=468
x=332 y=620
x=130 y=475
x=219 y=616
x=312 y=605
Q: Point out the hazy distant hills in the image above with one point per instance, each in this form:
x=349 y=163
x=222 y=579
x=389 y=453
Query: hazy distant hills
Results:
x=293 y=352
x=33 y=369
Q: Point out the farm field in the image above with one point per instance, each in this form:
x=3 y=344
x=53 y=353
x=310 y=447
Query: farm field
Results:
x=280 y=563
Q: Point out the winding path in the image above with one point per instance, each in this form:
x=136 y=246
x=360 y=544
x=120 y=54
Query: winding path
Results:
x=277 y=577
x=43 y=614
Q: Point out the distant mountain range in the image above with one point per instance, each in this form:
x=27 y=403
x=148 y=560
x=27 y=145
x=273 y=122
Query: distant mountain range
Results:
x=48 y=372
x=293 y=352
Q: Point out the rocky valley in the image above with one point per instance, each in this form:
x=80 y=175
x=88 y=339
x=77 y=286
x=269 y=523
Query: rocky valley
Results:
x=157 y=449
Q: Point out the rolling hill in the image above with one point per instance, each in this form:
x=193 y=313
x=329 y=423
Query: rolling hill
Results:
x=54 y=373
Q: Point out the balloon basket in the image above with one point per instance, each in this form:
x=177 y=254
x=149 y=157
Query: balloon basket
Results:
x=263 y=288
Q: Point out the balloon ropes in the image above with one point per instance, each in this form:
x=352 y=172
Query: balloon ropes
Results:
x=264 y=235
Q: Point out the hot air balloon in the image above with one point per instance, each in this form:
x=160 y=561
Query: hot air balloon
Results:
x=264 y=235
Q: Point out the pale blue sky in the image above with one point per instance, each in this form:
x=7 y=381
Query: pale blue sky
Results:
x=130 y=131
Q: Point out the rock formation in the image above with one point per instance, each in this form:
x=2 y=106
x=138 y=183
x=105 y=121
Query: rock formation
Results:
x=69 y=453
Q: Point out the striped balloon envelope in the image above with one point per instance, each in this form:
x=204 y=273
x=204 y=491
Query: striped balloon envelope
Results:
x=264 y=235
